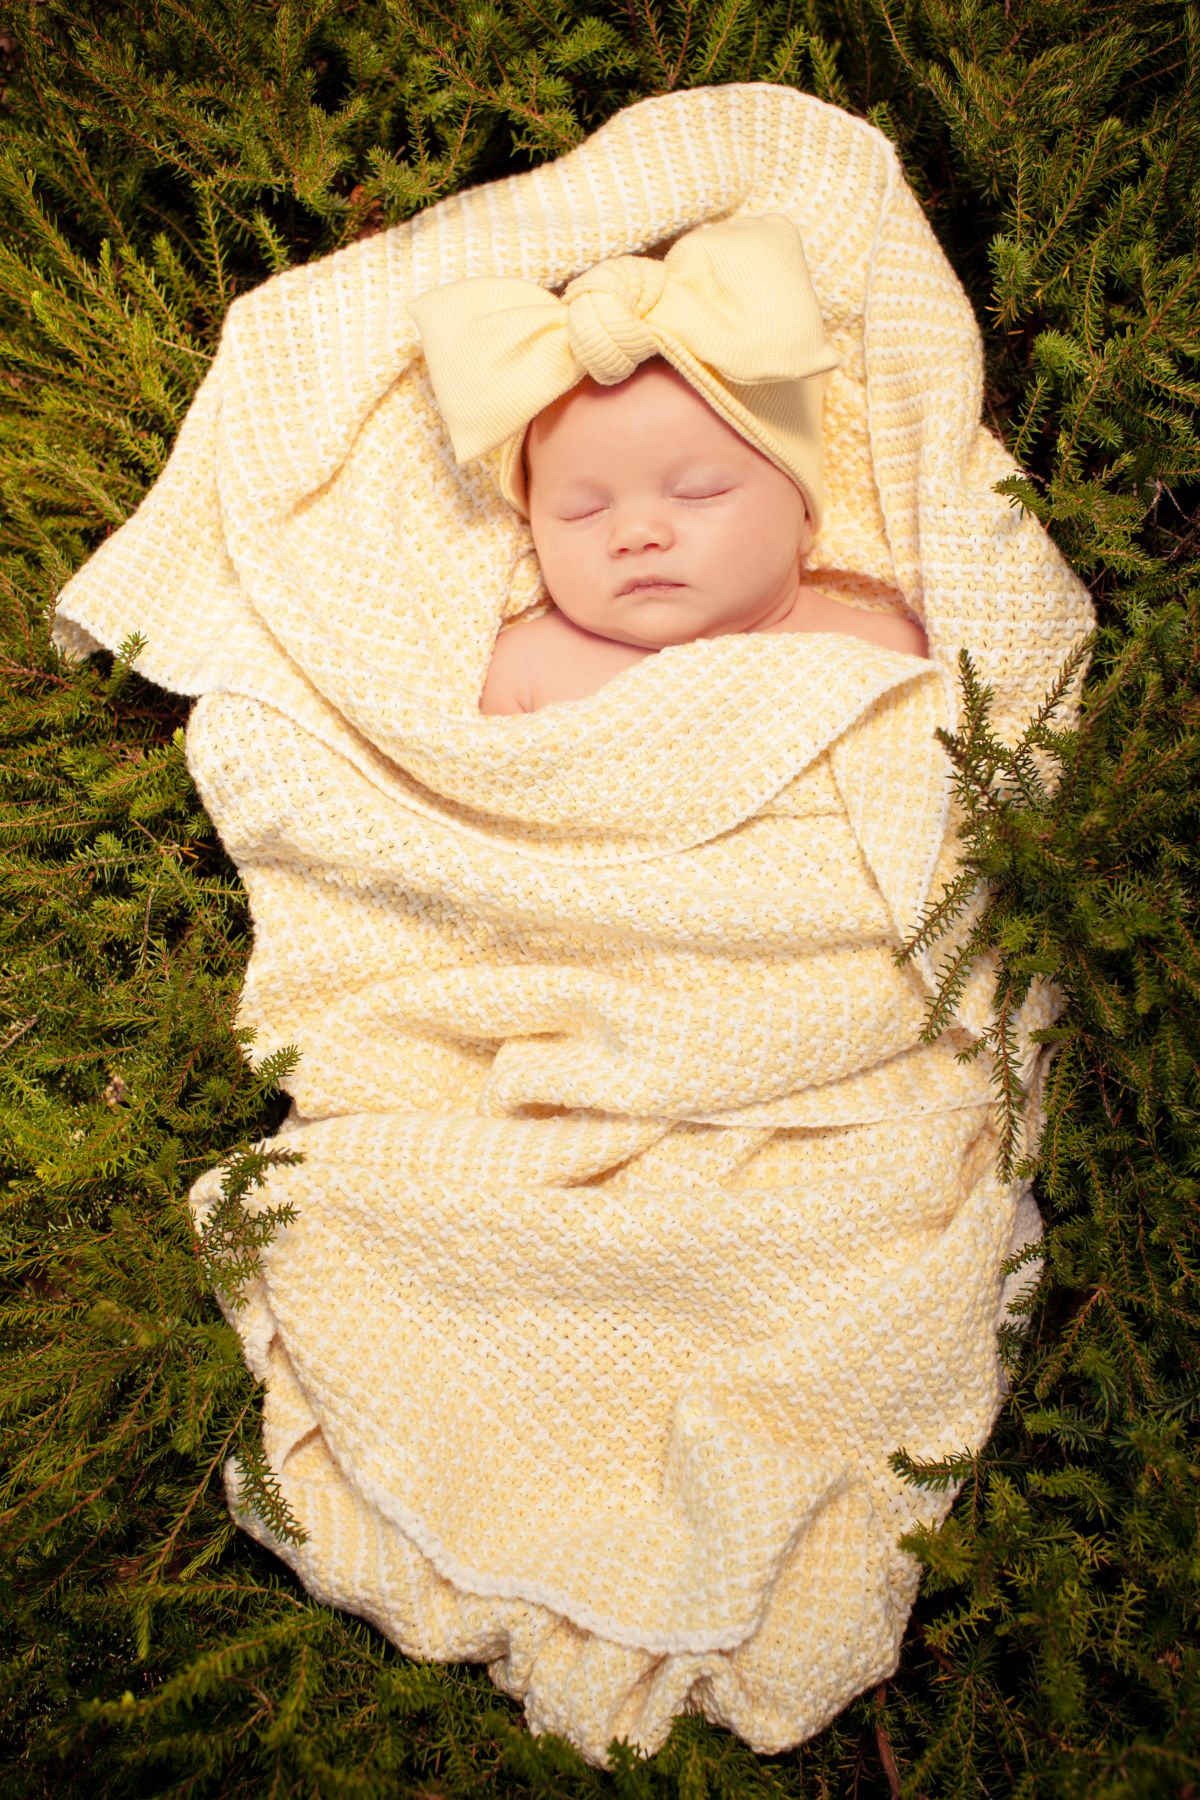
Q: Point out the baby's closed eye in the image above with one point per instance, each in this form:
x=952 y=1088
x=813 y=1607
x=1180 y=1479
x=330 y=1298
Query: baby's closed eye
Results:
x=689 y=489
x=593 y=512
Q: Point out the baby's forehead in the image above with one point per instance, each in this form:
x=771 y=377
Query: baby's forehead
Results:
x=653 y=410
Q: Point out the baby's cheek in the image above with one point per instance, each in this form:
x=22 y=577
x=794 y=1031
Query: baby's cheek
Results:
x=567 y=569
x=546 y=549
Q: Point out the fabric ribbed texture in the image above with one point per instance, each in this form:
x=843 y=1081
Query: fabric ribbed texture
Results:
x=635 y=1225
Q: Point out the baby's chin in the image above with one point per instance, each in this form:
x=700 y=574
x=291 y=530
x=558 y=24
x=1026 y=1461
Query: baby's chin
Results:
x=657 y=626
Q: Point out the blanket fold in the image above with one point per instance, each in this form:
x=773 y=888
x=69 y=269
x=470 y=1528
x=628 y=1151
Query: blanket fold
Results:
x=636 y=1226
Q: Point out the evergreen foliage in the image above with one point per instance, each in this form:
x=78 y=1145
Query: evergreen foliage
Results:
x=159 y=157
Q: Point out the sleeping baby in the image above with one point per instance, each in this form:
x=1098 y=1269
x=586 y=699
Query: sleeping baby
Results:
x=668 y=496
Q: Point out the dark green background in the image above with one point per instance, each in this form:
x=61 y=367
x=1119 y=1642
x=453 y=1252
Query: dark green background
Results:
x=158 y=159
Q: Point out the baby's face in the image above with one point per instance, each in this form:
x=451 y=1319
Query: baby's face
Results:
x=643 y=483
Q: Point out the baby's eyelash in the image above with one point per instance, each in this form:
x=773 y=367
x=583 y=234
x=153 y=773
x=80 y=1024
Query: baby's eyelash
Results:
x=575 y=518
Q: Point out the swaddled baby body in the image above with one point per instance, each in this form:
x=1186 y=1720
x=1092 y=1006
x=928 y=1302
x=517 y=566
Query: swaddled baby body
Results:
x=655 y=523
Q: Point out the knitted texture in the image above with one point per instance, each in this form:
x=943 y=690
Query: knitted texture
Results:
x=635 y=1225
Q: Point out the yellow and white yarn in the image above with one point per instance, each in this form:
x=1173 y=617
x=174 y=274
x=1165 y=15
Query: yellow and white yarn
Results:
x=635 y=1225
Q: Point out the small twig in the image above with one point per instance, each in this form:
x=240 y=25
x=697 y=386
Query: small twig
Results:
x=18 y=1031
x=939 y=1656
x=9 y=667
x=884 y=1746
x=201 y=1488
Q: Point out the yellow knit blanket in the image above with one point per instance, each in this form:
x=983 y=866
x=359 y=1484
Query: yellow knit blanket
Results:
x=635 y=1226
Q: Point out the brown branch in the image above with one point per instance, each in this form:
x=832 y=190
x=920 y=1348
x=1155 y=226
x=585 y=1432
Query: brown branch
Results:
x=884 y=1746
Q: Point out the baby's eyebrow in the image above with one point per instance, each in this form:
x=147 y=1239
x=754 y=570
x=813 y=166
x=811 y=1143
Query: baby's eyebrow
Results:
x=697 y=459
x=699 y=470
x=574 y=492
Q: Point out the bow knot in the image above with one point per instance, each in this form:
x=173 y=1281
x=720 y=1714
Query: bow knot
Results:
x=606 y=307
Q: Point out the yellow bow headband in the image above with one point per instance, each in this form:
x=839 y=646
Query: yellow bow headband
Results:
x=730 y=306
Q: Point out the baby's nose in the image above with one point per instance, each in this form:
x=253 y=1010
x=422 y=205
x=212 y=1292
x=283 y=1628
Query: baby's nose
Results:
x=635 y=528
